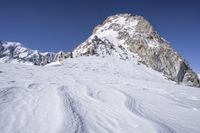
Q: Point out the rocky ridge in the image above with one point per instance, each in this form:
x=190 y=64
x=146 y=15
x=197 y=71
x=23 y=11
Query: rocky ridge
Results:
x=14 y=52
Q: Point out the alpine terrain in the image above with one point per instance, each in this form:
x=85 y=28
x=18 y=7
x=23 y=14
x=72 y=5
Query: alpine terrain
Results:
x=124 y=78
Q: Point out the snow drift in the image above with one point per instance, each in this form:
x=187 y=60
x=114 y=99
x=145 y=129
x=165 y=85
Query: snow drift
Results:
x=95 y=95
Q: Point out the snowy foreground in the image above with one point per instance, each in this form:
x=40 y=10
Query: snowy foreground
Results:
x=94 y=95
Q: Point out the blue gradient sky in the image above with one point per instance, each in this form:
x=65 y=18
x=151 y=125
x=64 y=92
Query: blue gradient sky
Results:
x=53 y=25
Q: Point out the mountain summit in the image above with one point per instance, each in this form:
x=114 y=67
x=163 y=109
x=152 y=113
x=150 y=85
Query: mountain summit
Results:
x=127 y=37
x=123 y=35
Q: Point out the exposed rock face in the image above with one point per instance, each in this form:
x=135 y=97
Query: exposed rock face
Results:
x=129 y=36
x=100 y=47
x=15 y=52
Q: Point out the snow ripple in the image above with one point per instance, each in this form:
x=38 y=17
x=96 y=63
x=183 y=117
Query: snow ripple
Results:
x=135 y=107
x=73 y=120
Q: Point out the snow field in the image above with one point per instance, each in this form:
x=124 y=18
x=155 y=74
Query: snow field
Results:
x=94 y=95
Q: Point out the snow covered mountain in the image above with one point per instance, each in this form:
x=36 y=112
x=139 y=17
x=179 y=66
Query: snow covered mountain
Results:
x=14 y=52
x=121 y=35
x=117 y=81
x=128 y=37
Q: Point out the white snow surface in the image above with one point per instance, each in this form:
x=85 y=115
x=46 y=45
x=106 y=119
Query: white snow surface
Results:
x=94 y=95
x=56 y=63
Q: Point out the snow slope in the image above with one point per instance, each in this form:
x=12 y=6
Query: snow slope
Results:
x=94 y=95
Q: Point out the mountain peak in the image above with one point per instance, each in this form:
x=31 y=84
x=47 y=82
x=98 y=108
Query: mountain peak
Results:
x=121 y=28
x=133 y=25
x=10 y=44
x=127 y=37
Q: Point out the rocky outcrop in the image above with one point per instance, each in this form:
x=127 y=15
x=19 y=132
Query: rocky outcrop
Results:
x=133 y=36
x=15 y=52
x=100 y=47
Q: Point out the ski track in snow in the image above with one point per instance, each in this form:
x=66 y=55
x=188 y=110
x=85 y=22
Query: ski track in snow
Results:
x=86 y=95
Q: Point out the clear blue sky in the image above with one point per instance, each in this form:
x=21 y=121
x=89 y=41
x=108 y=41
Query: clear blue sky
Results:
x=53 y=25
